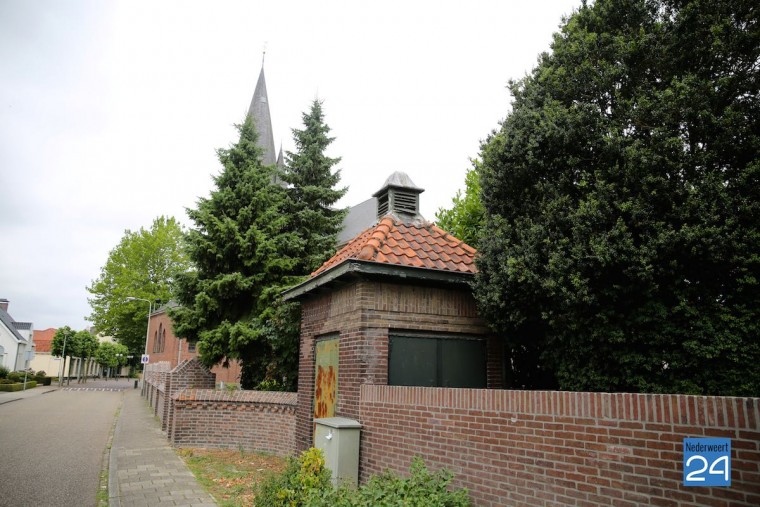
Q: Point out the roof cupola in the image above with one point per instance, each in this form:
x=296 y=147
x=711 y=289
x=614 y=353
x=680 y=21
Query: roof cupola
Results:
x=399 y=196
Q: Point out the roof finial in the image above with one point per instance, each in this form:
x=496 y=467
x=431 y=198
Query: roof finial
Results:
x=263 y=54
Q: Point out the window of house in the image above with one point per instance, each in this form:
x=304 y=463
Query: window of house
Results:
x=436 y=361
x=155 y=342
x=191 y=346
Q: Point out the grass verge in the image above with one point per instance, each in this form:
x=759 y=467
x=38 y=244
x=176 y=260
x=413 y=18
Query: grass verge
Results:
x=230 y=476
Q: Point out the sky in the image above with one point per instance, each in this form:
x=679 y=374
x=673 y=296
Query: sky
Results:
x=111 y=112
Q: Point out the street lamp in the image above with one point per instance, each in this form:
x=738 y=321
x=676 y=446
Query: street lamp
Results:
x=147 y=330
x=63 y=357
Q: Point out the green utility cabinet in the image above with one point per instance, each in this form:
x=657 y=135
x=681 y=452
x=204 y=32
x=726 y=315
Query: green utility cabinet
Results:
x=338 y=438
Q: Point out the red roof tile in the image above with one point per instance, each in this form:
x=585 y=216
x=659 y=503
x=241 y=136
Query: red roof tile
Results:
x=392 y=241
x=43 y=340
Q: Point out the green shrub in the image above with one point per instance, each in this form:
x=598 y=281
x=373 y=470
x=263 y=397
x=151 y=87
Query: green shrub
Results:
x=421 y=489
x=18 y=386
x=16 y=376
x=306 y=483
x=270 y=385
x=4 y=371
x=302 y=480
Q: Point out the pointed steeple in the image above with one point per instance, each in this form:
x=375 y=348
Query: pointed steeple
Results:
x=259 y=111
x=280 y=159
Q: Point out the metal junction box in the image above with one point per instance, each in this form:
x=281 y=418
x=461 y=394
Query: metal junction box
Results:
x=338 y=438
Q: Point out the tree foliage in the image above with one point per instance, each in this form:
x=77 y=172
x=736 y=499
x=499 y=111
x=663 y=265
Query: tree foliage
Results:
x=242 y=250
x=622 y=199
x=466 y=217
x=312 y=217
x=252 y=239
x=312 y=193
x=143 y=265
x=73 y=344
x=64 y=338
x=111 y=355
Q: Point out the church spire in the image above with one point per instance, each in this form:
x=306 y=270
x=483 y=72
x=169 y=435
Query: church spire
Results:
x=259 y=111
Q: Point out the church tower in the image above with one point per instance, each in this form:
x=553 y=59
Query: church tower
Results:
x=259 y=111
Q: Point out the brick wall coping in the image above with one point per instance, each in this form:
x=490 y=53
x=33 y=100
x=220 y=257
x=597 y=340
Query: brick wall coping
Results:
x=712 y=411
x=265 y=397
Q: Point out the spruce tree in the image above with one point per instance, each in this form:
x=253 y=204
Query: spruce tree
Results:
x=312 y=193
x=243 y=252
x=314 y=225
x=622 y=198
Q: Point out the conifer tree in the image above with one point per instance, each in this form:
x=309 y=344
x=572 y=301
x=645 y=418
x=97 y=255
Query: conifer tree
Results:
x=243 y=252
x=312 y=193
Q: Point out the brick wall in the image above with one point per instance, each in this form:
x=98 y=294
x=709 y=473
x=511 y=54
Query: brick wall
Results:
x=190 y=374
x=561 y=448
x=253 y=420
x=362 y=314
x=161 y=384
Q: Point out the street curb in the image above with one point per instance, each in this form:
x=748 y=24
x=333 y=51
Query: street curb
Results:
x=114 y=496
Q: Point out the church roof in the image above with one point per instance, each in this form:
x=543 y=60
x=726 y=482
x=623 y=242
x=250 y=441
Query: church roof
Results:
x=417 y=244
x=259 y=111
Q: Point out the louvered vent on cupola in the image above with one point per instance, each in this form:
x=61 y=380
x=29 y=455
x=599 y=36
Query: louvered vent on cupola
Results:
x=399 y=196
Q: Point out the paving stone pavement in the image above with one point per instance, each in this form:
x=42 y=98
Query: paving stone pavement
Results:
x=144 y=471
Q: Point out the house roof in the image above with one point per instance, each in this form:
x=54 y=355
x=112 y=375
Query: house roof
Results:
x=44 y=339
x=8 y=321
x=416 y=244
x=22 y=326
x=393 y=247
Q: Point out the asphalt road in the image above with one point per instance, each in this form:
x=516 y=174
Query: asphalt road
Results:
x=52 y=446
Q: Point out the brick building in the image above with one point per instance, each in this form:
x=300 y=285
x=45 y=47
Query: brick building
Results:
x=392 y=307
x=164 y=345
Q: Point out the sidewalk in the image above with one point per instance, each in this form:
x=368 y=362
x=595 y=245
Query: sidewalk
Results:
x=7 y=397
x=144 y=470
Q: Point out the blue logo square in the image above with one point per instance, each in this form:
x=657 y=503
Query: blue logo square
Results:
x=706 y=461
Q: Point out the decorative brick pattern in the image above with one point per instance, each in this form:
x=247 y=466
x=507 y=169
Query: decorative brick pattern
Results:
x=253 y=420
x=560 y=448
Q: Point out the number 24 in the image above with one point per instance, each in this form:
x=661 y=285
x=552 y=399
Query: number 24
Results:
x=691 y=476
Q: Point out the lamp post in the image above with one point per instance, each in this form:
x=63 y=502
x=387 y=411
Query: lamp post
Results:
x=63 y=359
x=147 y=330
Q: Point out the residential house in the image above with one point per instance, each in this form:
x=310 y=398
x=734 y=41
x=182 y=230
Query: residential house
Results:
x=16 y=340
x=43 y=359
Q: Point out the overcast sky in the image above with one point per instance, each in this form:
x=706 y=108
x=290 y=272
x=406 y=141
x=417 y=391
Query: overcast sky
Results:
x=111 y=112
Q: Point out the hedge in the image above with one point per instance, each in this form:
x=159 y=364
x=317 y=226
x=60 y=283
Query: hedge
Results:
x=18 y=387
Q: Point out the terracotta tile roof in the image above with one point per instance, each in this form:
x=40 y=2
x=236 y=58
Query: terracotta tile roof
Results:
x=43 y=340
x=419 y=245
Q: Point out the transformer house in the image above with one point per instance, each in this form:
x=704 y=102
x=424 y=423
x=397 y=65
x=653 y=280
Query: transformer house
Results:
x=391 y=307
